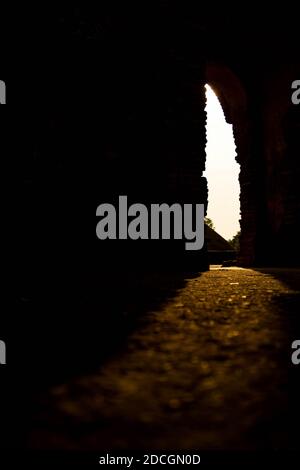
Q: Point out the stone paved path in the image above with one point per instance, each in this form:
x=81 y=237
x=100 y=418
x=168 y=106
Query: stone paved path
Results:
x=208 y=370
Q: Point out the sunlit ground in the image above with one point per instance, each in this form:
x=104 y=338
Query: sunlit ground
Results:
x=222 y=170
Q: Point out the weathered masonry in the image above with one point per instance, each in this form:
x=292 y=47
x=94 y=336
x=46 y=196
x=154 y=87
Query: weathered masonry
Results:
x=129 y=119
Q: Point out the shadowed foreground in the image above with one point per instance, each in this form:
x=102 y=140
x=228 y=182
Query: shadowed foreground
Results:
x=209 y=369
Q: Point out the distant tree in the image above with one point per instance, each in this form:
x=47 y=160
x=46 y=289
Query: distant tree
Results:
x=235 y=241
x=209 y=222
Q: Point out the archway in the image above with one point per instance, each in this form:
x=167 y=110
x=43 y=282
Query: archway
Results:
x=233 y=99
x=222 y=170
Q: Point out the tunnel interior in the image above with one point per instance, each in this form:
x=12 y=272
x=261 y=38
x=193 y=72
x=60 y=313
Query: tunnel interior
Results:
x=117 y=107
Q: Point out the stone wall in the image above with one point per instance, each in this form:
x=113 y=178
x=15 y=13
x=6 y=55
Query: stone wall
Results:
x=117 y=107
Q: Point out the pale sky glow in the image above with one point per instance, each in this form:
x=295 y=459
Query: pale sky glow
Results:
x=222 y=170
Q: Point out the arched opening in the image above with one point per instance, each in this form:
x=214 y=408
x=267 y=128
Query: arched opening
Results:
x=234 y=102
x=222 y=173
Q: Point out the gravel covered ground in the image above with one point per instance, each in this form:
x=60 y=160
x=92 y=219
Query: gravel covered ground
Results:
x=210 y=368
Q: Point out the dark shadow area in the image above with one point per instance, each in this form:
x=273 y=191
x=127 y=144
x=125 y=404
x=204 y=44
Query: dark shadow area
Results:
x=73 y=332
x=288 y=276
x=64 y=330
x=289 y=309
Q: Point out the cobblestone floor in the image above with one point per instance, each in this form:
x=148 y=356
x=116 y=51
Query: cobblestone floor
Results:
x=208 y=369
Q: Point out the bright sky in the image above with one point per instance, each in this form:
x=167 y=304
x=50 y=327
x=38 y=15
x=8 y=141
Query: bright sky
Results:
x=222 y=170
